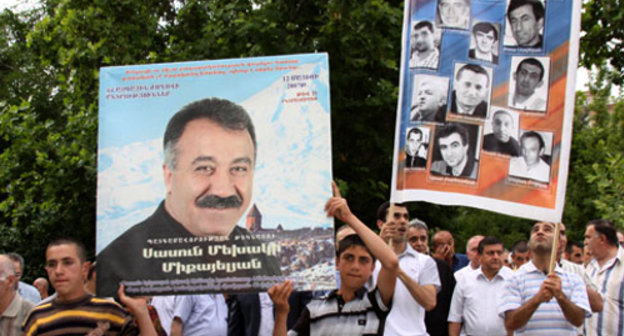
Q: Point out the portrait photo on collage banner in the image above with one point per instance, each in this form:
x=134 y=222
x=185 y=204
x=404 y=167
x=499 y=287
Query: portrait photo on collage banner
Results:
x=483 y=105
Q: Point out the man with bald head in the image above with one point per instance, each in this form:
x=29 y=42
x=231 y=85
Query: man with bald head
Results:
x=443 y=246
x=472 y=253
x=42 y=286
x=502 y=139
x=12 y=307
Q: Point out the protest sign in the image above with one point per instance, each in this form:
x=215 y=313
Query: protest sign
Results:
x=213 y=175
x=486 y=104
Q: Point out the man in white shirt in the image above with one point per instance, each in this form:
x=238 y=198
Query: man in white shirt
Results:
x=418 y=275
x=475 y=297
x=530 y=165
x=189 y=315
x=471 y=252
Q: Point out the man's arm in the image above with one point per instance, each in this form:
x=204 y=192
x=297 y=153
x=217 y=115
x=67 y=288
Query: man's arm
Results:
x=573 y=313
x=138 y=307
x=279 y=295
x=454 y=328
x=595 y=300
x=386 y=279
x=176 y=326
x=424 y=295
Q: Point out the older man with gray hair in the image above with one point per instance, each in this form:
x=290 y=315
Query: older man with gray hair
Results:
x=13 y=308
x=435 y=319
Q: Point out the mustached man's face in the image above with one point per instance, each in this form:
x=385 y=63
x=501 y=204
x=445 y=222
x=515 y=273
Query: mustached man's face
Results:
x=210 y=188
x=423 y=39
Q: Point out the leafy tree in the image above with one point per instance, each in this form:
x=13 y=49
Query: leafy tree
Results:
x=601 y=43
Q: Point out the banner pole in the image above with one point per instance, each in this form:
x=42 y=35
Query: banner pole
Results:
x=555 y=249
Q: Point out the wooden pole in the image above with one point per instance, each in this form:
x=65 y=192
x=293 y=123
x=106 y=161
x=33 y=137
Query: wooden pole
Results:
x=555 y=249
x=389 y=216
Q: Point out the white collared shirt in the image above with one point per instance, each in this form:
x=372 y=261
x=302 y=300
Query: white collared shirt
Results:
x=475 y=302
x=407 y=317
x=462 y=271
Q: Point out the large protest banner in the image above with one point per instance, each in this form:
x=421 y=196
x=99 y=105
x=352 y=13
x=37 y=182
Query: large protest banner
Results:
x=188 y=202
x=486 y=104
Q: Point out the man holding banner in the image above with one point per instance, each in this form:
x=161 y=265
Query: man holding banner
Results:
x=536 y=302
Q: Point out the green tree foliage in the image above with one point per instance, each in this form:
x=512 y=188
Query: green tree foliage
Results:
x=603 y=31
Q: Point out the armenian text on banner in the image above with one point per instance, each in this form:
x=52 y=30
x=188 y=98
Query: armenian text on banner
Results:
x=213 y=175
x=486 y=104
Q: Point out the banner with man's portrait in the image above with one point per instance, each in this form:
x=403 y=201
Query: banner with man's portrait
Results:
x=486 y=104
x=213 y=176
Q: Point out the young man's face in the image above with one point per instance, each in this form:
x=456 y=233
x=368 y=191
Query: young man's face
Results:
x=429 y=97
x=502 y=126
x=524 y=26
x=485 y=41
x=413 y=143
x=211 y=186
x=423 y=39
x=453 y=151
x=531 y=150
x=418 y=239
x=471 y=88
x=527 y=79
x=67 y=273
x=400 y=218
x=356 y=266
x=453 y=13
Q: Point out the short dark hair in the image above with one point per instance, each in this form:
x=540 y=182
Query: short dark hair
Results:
x=80 y=248
x=474 y=68
x=532 y=61
x=415 y=130
x=382 y=210
x=221 y=111
x=605 y=227
x=424 y=24
x=350 y=241
x=520 y=246
x=572 y=244
x=533 y=134
x=485 y=27
x=537 y=6
x=451 y=128
x=489 y=240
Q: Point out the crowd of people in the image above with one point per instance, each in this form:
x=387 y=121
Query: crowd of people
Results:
x=397 y=282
